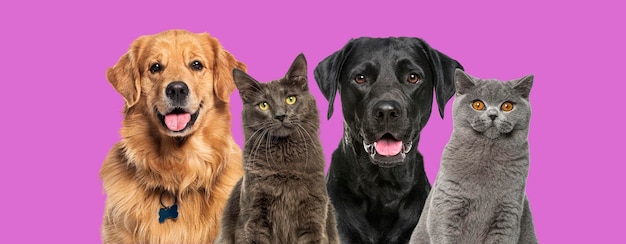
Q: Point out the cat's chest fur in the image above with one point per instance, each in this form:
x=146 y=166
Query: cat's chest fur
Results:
x=283 y=150
x=284 y=168
x=497 y=171
x=472 y=157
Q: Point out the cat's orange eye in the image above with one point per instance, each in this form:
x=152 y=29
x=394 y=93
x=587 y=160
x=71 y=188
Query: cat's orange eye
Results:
x=264 y=106
x=290 y=100
x=507 y=106
x=360 y=79
x=413 y=78
x=478 y=105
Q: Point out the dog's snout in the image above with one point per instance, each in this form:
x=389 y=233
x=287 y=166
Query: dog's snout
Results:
x=387 y=110
x=177 y=91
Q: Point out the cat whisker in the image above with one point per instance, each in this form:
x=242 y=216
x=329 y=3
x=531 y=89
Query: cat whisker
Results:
x=307 y=133
x=257 y=144
x=260 y=124
x=299 y=129
x=268 y=152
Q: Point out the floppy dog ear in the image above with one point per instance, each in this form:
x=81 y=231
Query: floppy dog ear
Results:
x=224 y=63
x=443 y=68
x=327 y=74
x=124 y=75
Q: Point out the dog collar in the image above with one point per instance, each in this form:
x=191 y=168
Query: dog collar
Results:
x=168 y=212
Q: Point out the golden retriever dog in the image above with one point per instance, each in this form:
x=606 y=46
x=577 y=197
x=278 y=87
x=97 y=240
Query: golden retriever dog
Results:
x=168 y=179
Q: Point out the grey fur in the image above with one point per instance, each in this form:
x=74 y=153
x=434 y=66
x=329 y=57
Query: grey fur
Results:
x=479 y=195
x=282 y=196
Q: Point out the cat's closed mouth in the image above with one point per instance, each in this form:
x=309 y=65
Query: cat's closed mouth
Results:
x=178 y=119
x=387 y=151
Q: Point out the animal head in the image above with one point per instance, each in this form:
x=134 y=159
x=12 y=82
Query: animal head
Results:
x=490 y=107
x=172 y=77
x=279 y=108
x=386 y=87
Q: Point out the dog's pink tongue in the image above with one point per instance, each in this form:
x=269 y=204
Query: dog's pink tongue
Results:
x=176 y=122
x=388 y=147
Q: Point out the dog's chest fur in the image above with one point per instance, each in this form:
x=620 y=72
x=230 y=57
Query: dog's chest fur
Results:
x=133 y=209
x=386 y=213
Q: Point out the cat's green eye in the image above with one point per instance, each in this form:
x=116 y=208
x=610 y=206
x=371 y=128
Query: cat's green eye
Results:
x=290 y=100
x=507 y=106
x=264 y=106
x=478 y=105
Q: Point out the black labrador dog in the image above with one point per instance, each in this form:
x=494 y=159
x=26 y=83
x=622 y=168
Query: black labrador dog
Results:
x=376 y=179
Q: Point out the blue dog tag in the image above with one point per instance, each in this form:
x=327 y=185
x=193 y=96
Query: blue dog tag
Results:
x=168 y=213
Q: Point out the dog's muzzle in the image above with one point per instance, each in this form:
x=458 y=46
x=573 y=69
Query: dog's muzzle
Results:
x=387 y=148
x=178 y=118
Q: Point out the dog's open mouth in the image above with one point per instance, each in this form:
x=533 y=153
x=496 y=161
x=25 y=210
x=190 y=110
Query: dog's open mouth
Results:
x=178 y=119
x=387 y=151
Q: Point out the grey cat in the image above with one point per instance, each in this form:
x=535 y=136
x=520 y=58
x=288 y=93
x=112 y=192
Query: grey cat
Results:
x=479 y=195
x=282 y=196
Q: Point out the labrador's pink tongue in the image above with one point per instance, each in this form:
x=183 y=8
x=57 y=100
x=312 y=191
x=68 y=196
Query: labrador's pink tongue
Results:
x=176 y=122
x=388 y=147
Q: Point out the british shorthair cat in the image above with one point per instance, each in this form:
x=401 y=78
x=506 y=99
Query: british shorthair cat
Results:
x=479 y=195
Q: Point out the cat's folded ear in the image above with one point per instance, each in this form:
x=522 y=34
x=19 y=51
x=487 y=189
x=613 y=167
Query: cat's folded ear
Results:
x=327 y=74
x=297 y=74
x=443 y=68
x=246 y=85
x=523 y=85
x=463 y=82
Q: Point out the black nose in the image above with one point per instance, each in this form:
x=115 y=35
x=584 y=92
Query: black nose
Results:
x=177 y=91
x=387 y=110
x=493 y=116
x=280 y=117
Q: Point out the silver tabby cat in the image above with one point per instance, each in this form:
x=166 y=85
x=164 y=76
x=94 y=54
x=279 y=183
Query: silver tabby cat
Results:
x=479 y=195
x=282 y=196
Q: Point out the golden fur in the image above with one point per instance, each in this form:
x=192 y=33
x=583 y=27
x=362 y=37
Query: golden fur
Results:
x=198 y=165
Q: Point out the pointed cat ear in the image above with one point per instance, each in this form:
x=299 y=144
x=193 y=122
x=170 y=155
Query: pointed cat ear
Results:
x=327 y=74
x=297 y=73
x=523 y=85
x=463 y=82
x=443 y=68
x=246 y=85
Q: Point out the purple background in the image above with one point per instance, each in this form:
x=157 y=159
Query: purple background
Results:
x=61 y=116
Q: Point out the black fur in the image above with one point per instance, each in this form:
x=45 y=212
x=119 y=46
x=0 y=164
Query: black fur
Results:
x=378 y=199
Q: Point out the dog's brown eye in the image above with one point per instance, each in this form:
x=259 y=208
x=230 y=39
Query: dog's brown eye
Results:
x=413 y=78
x=196 y=65
x=360 y=79
x=155 y=68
